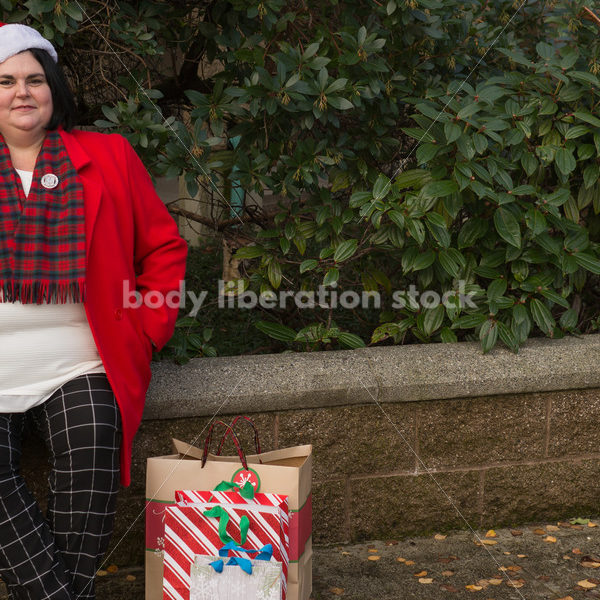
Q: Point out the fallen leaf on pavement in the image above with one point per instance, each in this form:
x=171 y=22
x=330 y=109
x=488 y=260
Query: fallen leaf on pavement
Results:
x=515 y=568
x=516 y=532
x=439 y=537
x=392 y=543
x=539 y=531
x=495 y=581
x=590 y=564
x=576 y=551
x=345 y=553
x=552 y=528
x=491 y=534
x=447 y=573
x=506 y=553
x=400 y=559
x=473 y=588
x=447 y=559
x=550 y=539
x=566 y=598
x=336 y=591
x=426 y=580
x=590 y=524
x=586 y=584
x=130 y=578
x=566 y=557
x=449 y=588
x=489 y=542
x=421 y=574
x=521 y=555
x=374 y=557
x=112 y=568
x=409 y=562
x=101 y=573
x=373 y=550
x=516 y=583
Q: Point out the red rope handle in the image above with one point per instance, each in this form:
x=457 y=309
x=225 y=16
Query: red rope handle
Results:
x=232 y=425
x=228 y=431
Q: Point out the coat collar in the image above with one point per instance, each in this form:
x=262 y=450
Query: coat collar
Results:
x=91 y=179
x=79 y=157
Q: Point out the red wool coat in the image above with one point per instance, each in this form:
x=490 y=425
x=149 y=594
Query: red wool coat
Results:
x=132 y=243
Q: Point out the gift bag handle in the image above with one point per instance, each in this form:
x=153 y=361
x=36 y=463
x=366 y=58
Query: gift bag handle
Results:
x=228 y=431
x=232 y=425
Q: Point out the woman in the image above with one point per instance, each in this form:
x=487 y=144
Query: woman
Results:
x=81 y=230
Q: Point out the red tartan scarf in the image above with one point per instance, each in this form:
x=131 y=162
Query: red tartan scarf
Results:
x=42 y=237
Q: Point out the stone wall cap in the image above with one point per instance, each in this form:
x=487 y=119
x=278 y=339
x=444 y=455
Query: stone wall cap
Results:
x=269 y=382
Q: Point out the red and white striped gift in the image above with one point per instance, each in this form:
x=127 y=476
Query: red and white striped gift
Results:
x=189 y=532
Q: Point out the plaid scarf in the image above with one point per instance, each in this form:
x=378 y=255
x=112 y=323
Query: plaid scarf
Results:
x=42 y=237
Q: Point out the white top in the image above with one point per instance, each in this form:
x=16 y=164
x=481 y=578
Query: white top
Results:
x=42 y=346
x=26 y=179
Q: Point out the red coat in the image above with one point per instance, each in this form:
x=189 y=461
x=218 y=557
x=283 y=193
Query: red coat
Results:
x=132 y=243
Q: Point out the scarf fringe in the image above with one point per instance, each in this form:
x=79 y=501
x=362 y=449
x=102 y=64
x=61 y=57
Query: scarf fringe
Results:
x=43 y=292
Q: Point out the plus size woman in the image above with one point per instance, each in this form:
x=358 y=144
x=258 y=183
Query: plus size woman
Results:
x=81 y=227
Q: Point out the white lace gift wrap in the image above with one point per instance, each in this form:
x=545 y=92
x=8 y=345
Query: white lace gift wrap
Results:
x=234 y=583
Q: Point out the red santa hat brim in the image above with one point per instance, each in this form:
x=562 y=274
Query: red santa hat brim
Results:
x=15 y=38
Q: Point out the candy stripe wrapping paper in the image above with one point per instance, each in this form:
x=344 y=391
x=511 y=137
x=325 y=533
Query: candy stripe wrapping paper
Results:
x=233 y=583
x=283 y=471
x=188 y=532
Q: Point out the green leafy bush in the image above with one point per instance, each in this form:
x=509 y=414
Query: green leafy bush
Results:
x=450 y=145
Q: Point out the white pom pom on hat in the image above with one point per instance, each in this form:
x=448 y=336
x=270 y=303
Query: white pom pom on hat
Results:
x=15 y=38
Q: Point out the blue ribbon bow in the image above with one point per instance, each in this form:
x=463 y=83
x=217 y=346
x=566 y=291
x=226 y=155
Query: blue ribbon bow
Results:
x=265 y=553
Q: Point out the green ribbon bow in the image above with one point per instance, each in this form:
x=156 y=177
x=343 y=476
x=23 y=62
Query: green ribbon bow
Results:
x=247 y=491
x=220 y=513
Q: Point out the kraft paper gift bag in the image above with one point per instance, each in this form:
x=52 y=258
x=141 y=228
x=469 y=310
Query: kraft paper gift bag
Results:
x=287 y=471
x=202 y=527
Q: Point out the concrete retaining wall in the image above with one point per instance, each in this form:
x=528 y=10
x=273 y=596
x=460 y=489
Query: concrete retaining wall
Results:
x=406 y=440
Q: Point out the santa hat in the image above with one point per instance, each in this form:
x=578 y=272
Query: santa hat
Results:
x=15 y=38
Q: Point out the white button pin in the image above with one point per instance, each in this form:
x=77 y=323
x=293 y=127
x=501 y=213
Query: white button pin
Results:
x=49 y=181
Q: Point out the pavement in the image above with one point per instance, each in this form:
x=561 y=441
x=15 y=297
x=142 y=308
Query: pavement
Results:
x=540 y=561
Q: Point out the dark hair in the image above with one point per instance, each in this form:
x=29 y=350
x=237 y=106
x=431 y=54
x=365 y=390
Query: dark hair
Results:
x=64 y=111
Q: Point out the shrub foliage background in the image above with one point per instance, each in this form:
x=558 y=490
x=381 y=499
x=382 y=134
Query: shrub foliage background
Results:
x=421 y=142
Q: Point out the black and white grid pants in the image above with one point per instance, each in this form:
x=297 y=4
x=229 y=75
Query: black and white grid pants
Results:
x=56 y=557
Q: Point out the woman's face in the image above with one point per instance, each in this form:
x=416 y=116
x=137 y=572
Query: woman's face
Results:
x=25 y=97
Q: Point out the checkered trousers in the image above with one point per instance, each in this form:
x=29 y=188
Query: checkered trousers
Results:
x=56 y=557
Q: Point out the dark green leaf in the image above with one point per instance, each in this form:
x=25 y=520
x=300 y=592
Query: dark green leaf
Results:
x=331 y=276
x=345 y=250
x=276 y=331
x=350 y=340
x=439 y=189
x=248 y=252
x=496 y=289
x=434 y=317
x=382 y=187
x=542 y=316
x=488 y=335
x=308 y=265
x=588 y=262
x=507 y=227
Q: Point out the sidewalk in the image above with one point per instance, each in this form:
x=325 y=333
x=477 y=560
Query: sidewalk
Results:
x=535 y=562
